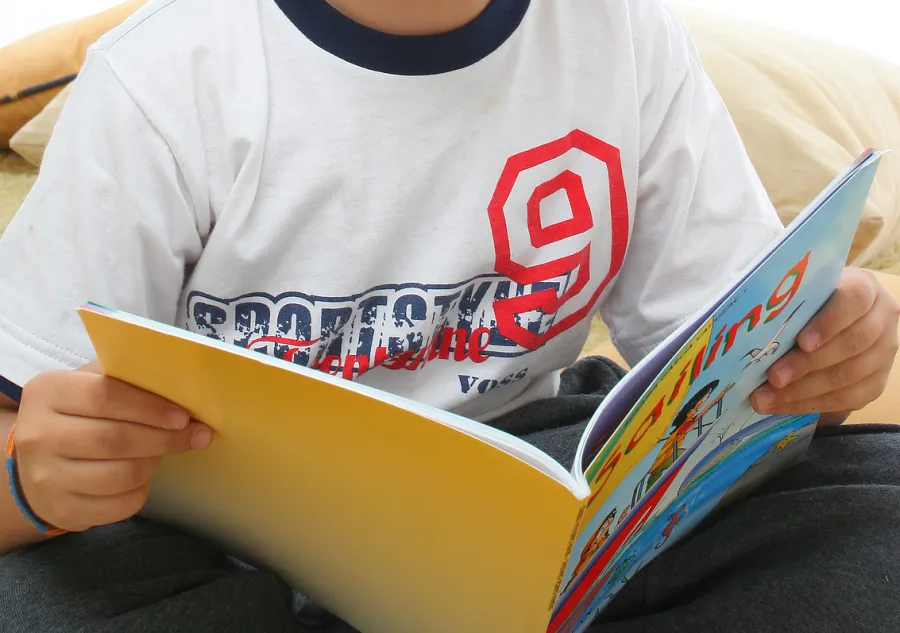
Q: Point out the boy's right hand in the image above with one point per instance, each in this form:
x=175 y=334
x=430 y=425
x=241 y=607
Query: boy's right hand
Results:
x=87 y=445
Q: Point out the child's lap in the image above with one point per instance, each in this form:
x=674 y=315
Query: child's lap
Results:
x=137 y=576
x=813 y=550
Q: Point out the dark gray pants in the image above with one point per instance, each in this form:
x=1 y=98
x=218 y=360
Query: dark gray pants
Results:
x=812 y=551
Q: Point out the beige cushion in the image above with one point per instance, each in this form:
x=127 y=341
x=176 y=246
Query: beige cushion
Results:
x=31 y=141
x=805 y=110
x=48 y=56
x=16 y=178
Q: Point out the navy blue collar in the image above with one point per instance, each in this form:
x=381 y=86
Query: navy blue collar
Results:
x=362 y=46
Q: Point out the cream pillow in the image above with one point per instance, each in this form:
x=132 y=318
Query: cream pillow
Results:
x=805 y=110
x=31 y=141
x=48 y=56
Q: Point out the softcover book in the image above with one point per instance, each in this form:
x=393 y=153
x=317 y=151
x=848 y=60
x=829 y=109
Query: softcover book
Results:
x=402 y=518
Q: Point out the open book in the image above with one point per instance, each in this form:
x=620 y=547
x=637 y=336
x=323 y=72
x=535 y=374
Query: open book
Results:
x=401 y=518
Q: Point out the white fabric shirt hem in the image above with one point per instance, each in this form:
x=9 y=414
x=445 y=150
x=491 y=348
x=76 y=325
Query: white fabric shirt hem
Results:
x=26 y=355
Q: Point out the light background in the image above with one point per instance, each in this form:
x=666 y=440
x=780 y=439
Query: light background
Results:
x=871 y=25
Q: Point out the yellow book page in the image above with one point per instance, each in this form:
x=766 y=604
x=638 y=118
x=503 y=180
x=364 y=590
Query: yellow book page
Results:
x=396 y=523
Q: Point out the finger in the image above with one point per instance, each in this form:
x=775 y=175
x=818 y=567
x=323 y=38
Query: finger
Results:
x=85 y=394
x=93 y=439
x=848 y=398
x=77 y=513
x=106 y=478
x=854 y=297
x=832 y=378
x=853 y=341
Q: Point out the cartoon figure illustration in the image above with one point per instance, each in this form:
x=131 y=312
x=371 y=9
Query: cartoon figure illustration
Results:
x=757 y=354
x=685 y=422
x=612 y=577
x=601 y=534
x=674 y=519
x=725 y=431
x=623 y=515
x=620 y=570
x=784 y=442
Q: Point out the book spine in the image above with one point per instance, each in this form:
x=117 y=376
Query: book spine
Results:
x=562 y=572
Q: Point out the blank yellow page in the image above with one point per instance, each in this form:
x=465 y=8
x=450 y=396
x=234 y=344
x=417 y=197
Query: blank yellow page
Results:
x=397 y=523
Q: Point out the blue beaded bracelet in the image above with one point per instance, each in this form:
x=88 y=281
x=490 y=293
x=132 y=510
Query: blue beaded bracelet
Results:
x=15 y=489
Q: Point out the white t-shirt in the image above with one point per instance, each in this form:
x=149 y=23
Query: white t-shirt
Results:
x=437 y=216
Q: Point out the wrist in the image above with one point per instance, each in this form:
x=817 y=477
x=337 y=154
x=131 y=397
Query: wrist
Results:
x=15 y=530
x=16 y=493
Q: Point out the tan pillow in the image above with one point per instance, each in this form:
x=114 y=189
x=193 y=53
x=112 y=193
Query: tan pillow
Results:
x=48 y=56
x=31 y=141
x=16 y=179
x=805 y=110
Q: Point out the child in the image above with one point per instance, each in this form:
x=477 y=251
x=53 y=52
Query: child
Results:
x=432 y=197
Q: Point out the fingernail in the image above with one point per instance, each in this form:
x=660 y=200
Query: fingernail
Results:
x=201 y=438
x=178 y=418
x=784 y=374
x=763 y=399
x=809 y=340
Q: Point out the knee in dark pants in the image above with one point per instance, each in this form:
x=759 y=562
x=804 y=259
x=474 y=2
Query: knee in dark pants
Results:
x=136 y=576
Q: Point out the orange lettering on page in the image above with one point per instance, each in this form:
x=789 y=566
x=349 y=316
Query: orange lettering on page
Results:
x=778 y=301
x=651 y=419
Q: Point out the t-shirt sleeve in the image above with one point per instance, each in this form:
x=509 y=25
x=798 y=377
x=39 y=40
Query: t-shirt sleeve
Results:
x=108 y=221
x=701 y=213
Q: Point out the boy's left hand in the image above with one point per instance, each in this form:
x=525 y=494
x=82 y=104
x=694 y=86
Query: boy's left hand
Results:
x=843 y=356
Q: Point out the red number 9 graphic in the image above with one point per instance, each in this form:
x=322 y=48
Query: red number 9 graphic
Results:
x=581 y=222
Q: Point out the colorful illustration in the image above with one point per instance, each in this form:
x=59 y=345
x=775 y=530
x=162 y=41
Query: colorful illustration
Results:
x=704 y=495
x=620 y=571
x=775 y=459
x=601 y=568
x=686 y=421
x=674 y=519
x=623 y=515
x=627 y=456
x=601 y=534
x=709 y=455
x=758 y=353
x=782 y=444
x=691 y=440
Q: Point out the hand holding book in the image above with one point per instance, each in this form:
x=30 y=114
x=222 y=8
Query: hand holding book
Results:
x=85 y=447
x=843 y=356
